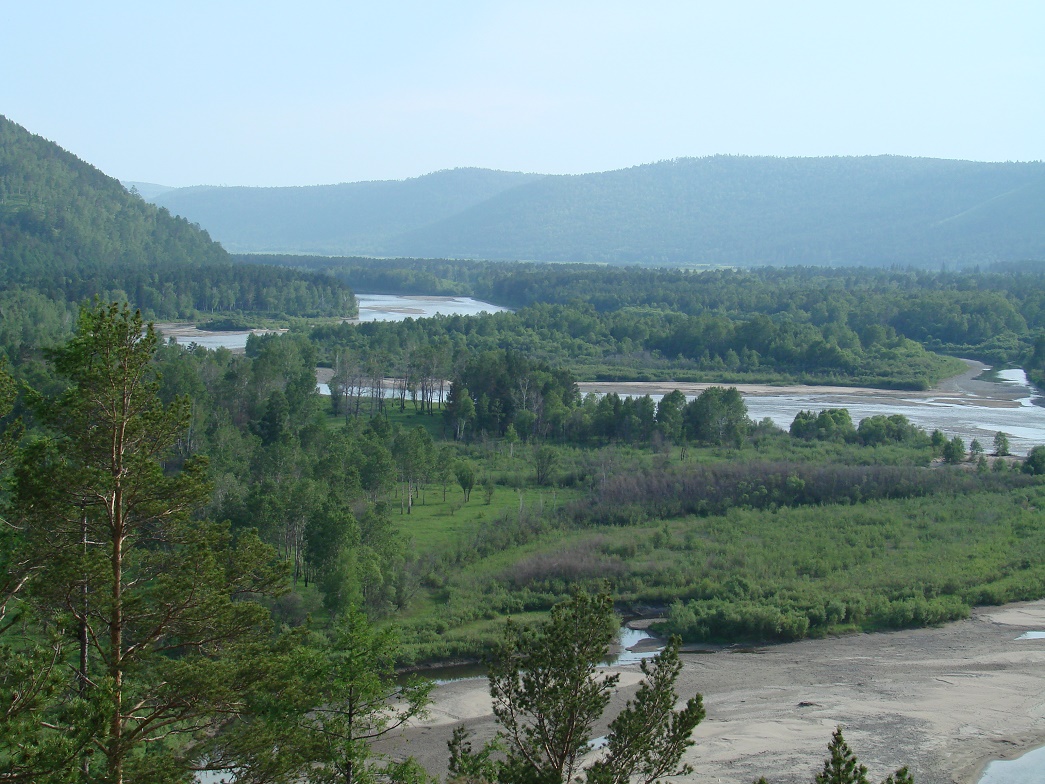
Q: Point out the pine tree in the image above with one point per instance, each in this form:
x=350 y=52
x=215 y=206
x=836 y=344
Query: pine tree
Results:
x=152 y=590
x=548 y=696
x=841 y=766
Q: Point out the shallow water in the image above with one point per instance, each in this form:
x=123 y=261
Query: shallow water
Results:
x=969 y=408
x=392 y=307
x=626 y=638
x=974 y=417
x=372 y=307
x=1028 y=769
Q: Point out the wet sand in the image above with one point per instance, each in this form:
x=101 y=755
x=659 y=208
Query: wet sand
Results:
x=943 y=701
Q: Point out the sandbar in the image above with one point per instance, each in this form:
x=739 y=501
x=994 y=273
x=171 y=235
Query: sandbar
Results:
x=943 y=701
x=966 y=388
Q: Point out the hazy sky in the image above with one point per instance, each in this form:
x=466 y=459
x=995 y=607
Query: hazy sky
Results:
x=280 y=93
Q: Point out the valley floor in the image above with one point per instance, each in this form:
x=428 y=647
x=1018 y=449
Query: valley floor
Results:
x=943 y=701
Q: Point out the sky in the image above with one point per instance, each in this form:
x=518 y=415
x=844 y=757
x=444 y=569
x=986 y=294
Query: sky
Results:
x=303 y=93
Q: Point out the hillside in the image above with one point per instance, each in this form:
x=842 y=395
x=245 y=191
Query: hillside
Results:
x=59 y=214
x=69 y=232
x=326 y=219
x=720 y=210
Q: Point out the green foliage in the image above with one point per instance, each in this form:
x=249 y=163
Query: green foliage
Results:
x=842 y=766
x=115 y=549
x=69 y=233
x=954 y=450
x=544 y=461
x=831 y=424
x=842 y=326
x=647 y=739
x=1034 y=464
x=1001 y=444
x=547 y=698
x=464 y=470
x=318 y=705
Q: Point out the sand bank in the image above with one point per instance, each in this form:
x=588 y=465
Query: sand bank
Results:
x=962 y=389
x=943 y=701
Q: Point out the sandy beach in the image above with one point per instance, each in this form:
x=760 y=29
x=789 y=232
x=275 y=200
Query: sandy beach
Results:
x=943 y=701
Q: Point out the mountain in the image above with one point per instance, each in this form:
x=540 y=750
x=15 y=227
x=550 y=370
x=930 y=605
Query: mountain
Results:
x=61 y=216
x=326 y=219
x=147 y=190
x=69 y=232
x=721 y=210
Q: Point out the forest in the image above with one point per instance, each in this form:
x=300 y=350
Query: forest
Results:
x=202 y=557
x=68 y=233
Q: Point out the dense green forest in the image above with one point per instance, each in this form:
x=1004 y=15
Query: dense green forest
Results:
x=842 y=326
x=68 y=233
x=720 y=210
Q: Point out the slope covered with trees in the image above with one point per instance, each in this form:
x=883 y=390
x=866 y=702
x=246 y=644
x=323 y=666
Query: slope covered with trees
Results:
x=721 y=210
x=69 y=232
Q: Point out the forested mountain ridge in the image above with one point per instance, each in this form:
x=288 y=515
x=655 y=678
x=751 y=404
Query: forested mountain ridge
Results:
x=721 y=210
x=58 y=213
x=367 y=216
x=68 y=233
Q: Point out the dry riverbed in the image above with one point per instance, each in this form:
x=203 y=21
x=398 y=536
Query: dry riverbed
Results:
x=943 y=701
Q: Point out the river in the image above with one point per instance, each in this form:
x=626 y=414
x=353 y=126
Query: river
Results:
x=972 y=405
x=372 y=307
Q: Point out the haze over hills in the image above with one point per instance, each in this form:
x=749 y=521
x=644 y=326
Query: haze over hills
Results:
x=722 y=210
x=326 y=219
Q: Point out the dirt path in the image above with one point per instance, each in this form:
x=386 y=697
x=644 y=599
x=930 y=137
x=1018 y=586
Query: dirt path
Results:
x=943 y=701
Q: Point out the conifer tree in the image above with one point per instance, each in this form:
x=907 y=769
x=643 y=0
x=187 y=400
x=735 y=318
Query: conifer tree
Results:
x=548 y=695
x=154 y=592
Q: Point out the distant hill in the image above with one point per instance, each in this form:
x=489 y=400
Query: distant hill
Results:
x=721 y=210
x=68 y=232
x=326 y=219
x=147 y=190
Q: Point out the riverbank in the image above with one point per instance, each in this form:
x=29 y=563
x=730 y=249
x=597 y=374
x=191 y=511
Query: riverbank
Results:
x=186 y=333
x=943 y=701
x=963 y=389
x=965 y=405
